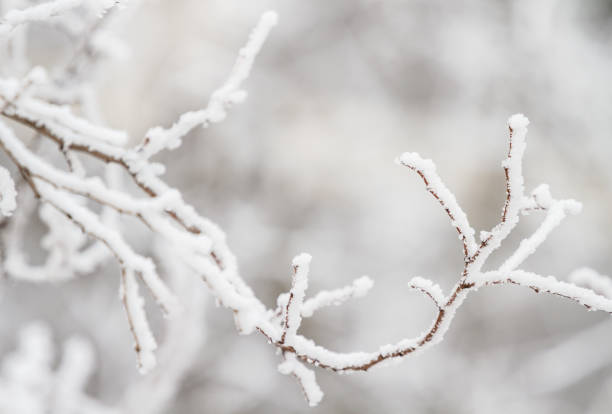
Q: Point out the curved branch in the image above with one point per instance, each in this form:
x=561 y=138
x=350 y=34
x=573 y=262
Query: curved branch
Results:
x=548 y=284
x=426 y=169
x=427 y=287
x=555 y=214
x=591 y=279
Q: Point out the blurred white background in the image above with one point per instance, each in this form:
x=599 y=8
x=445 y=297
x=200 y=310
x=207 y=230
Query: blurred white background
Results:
x=306 y=164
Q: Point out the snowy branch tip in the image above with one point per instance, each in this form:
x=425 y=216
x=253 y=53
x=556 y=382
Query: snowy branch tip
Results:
x=414 y=161
x=428 y=288
x=518 y=122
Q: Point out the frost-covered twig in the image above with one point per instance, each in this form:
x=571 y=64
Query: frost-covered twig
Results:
x=555 y=213
x=292 y=315
x=428 y=288
x=426 y=169
x=593 y=280
x=548 y=284
x=306 y=378
x=144 y=342
x=359 y=288
x=8 y=195
x=230 y=93
x=184 y=336
x=515 y=188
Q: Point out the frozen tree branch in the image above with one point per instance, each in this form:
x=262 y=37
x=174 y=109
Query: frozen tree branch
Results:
x=200 y=246
x=591 y=279
x=556 y=211
x=426 y=169
x=513 y=171
x=145 y=344
x=305 y=376
x=427 y=287
x=184 y=336
x=8 y=195
x=292 y=315
x=228 y=94
x=359 y=288
x=548 y=284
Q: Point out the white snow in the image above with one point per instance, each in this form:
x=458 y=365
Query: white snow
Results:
x=8 y=194
x=38 y=12
x=591 y=279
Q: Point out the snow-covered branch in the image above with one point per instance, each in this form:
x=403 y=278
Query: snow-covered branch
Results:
x=306 y=378
x=292 y=315
x=72 y=197
x=336 y=297
x=8 y=195
x=429 y=288
x=556 y=211
x=230 y=93
x=591 y=279
x=548 y=284
x=426 y=169
x=515 y=188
